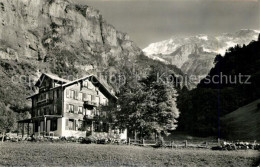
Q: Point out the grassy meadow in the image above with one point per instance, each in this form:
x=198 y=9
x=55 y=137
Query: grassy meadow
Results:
x=74 y=154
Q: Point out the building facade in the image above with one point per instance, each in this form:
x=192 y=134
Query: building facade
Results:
x=71 y=108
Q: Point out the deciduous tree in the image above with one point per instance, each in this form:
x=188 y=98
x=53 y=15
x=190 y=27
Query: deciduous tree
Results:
x=7 y=119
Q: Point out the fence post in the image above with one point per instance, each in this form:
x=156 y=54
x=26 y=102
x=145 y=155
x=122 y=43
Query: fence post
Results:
x=186 y=143
x=143 y=141
x=129 y=141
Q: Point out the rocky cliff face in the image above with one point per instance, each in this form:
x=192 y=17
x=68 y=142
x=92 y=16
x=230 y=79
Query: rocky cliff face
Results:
x=35 y=29
x=195 y=55
x=55 y=36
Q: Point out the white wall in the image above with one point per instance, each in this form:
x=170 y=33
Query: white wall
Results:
x=48 y=125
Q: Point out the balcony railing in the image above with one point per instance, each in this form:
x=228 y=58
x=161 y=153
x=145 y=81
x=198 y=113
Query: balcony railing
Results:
x=44 y=102
x=89 y=104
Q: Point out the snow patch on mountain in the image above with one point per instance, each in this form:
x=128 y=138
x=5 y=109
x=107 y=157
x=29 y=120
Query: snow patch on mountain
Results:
x=164 y=47
x=196 y=54
x=203 y=37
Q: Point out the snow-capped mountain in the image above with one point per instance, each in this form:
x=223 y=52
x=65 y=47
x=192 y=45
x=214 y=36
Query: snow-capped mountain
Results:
x=195 y=55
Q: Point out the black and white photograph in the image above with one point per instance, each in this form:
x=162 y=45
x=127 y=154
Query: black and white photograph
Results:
x=120 y=83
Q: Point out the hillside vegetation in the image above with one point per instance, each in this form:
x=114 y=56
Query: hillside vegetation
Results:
x=202 y=107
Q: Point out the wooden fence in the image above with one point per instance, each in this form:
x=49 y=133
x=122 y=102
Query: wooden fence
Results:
x=174 y=143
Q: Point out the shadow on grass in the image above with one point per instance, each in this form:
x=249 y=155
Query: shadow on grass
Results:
x=256 y=162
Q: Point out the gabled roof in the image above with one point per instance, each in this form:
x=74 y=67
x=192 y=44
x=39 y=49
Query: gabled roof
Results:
x=51 y=76
x=65 y=83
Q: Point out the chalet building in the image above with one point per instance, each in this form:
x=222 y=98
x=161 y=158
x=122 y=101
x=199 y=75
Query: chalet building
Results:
x=70 y=108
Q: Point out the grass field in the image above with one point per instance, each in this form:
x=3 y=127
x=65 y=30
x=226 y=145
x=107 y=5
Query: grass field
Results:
x=72 y=154
x=244 y=123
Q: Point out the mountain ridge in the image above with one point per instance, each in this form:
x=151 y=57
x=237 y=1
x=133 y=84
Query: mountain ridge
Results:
x=195 y=55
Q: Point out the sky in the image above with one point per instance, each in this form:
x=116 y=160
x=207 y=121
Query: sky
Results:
x=148 y=21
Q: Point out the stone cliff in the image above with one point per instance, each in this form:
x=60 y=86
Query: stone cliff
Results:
x=55 y=36
x=36 y=30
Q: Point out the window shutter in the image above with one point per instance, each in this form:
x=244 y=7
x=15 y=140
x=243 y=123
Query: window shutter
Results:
x=67 y=107
x=76 y=95
x=92 y=98
x=72 y=108
x=80 y=96
x=67 y=93
x=84 y=96
x=75 y=124
x=76 y=109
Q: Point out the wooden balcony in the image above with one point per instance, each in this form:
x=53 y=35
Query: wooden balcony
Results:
x=89 y=104
x=44 y=102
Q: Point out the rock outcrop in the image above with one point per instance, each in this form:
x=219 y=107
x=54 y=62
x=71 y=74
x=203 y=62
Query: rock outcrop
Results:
x=55 y=36
x=36 y=29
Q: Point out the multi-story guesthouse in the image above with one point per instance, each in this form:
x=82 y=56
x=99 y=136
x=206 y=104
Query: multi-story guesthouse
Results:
x=70 y=108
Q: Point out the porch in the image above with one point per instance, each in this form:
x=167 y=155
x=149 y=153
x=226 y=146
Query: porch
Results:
x=46 y=125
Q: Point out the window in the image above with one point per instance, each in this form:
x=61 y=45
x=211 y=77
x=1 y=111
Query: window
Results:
x=97 y=100
x=80 y=110
x=71 y=108
x=80 y=96
x=68 y=93
x=85 y=84
x=72 y=94
x=76 y=95
x=84 y=97
x=80 y=123
x=88 y=97
x=71 y=124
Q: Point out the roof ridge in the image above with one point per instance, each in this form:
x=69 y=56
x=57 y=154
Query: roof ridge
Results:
x=56 y=77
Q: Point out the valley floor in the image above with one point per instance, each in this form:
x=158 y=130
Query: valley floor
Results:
x=72 y=154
